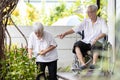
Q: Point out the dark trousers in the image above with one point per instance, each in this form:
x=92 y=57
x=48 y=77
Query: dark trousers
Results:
x=52 y=70
x=84 y=47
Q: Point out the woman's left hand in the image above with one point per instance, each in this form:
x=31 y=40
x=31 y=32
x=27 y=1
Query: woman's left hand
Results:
x=42 y=52
x=93 y=42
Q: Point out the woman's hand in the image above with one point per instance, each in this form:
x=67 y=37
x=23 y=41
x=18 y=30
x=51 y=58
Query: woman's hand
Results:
x=42 y=52
x=61 y=36
x=93 y=43
x=29 y=56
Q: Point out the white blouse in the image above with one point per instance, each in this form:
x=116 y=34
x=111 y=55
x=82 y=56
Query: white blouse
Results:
x=37 y=45
x=91 y=31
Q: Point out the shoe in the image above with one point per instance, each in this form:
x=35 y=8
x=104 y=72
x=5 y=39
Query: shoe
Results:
x=92 y=66
x=83 y=67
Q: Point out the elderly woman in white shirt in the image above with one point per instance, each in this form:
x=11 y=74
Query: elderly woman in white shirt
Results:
x=42 y=45
x=94 y=29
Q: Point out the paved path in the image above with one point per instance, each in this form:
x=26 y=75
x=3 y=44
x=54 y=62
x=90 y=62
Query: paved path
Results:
x=85 y=75
x=68 y=76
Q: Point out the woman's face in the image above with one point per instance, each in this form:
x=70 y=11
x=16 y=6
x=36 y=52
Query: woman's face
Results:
x=91 y=13
x=39 y=33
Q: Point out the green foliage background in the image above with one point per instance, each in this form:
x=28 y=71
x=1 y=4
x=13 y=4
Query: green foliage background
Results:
x=57 y=12
x=17 y=65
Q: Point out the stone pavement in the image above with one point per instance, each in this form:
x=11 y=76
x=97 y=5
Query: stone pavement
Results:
x=68 y=76
x=85 y=75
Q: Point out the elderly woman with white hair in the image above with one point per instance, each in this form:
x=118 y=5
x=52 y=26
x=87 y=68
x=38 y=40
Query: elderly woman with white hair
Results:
x=42 y=45
x=95 y=28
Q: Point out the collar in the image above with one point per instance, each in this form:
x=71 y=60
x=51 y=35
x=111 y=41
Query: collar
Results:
x=41 y=38
x=97 y=21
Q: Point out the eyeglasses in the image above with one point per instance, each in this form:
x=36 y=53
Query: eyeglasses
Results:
x=38 y=32
x=90 y=11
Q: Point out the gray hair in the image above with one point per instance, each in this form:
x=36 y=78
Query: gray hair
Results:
x=93 y=7
x=38 y=26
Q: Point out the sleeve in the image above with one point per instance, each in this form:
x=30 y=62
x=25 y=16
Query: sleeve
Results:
x=79 y=28
x=52 y=40
x=104 y=27
x=30 y=41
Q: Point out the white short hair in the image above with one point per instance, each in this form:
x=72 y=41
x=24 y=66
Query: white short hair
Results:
x=93 y=7
x=38 y=26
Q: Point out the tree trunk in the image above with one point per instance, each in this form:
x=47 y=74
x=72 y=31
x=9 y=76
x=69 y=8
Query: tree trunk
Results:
x=2 y=56
x=6 y=8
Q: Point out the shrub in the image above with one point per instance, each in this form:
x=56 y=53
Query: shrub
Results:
x=18 y=66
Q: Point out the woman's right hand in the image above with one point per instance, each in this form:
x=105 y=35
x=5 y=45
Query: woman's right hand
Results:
x=61 y=36
x=29 y=56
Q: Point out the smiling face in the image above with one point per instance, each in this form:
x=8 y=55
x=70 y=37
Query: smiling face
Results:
x=92 y=12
